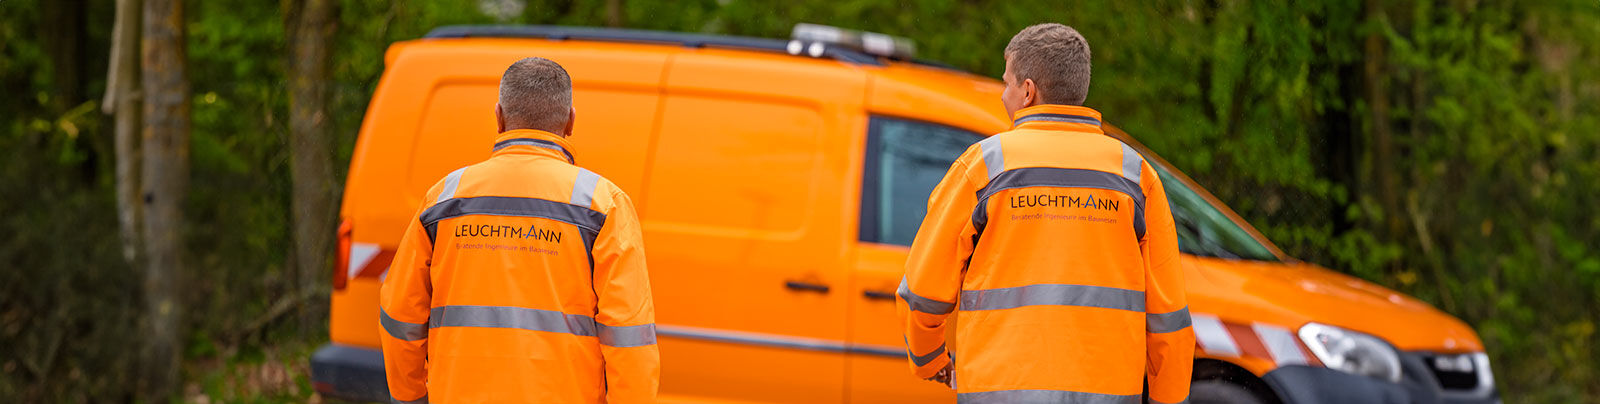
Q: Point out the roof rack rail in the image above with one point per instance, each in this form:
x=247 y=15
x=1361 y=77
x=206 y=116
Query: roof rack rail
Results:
x=643 y=36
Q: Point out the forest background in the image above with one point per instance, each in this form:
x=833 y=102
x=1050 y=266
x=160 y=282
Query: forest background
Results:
x=1446 y=149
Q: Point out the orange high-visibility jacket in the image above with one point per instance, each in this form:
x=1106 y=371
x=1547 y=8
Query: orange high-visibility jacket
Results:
x=1056 y=243
x=521 y=280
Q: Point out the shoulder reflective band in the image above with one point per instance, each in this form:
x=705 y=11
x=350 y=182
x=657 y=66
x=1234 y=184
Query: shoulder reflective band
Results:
x=1057 y=118
x=922 y=304
x=924 y=360
x=993 y=159
x=587 y=220
x=541 y=320
x=583 y=195
x=450 y=183
x=1057 y=295
x=1160 y=323
x=402 y=330
x=423 y=400
x=583 y=188
x=1132 y=164
x=535 y=143
x=1044 y=396
x=1059 y=177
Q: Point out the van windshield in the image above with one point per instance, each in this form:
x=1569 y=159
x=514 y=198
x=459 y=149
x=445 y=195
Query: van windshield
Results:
x=1203 y=229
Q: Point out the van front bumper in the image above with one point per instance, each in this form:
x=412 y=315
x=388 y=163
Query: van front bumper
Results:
x=1418 y=384
x=349 y=373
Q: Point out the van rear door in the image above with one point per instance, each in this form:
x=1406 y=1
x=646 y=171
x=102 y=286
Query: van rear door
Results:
x=433 y=112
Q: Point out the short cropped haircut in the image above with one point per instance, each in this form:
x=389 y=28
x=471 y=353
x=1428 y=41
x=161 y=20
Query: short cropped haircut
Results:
x=1056 y=57
x=536 y=93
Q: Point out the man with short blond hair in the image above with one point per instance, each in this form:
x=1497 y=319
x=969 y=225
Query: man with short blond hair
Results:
x=1056 y=243
x=522 y=278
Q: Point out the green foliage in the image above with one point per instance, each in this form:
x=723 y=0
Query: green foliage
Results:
x=1476 y=199
x=65 y=308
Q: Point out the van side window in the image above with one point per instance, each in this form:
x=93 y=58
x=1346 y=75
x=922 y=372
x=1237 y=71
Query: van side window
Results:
x=905 y=161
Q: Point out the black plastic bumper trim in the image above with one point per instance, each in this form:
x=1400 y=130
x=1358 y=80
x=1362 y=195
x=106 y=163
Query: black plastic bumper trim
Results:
x=349 y=373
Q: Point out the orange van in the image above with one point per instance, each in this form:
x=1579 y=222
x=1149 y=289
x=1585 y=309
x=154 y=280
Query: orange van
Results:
x=779 y=183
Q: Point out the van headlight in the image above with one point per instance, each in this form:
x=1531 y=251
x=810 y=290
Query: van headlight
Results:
x=1352 y=352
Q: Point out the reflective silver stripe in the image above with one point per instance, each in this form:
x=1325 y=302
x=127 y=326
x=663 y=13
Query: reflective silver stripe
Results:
x=1213 y=337
x=1282 y=344
x=583 y=188
x=922 y=304
x=450 y=183
x=777 y=341
x=1184 y=401
x=1045 y=396
x=423 y=400
x=535 y=143
x=402 y=330
x=923 y=360
x=1047 y=294
x=511 y=317
x=587 y=220
x=1062 y=177
x=993 y=159
x=541 y=320
x=1160 y=323
x=1057 y=118
x=629 y=336
x=1131 y=163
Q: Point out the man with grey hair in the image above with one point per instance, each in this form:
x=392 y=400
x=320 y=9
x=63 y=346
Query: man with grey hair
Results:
x=523 y=277
x=1058 y=244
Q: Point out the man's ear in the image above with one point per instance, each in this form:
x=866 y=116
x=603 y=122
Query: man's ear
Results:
x=1030 y=93
x=572 y=118
x=499 y=118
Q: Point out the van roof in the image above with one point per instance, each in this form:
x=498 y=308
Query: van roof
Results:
x=690 y=40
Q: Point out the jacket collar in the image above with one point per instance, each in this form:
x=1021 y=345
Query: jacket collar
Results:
x=1058 y=117
x=533 y=142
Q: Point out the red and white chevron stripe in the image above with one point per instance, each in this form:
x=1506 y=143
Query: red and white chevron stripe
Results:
x=1260 y=340
x=368 y=260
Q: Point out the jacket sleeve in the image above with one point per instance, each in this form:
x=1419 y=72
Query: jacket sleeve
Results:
x=403 y=308
x=1169 y=339
x=626 y=312
x=932 y=284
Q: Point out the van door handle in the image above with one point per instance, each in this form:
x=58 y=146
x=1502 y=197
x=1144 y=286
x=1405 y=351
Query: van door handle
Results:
x=812 y=287
x=878 y=295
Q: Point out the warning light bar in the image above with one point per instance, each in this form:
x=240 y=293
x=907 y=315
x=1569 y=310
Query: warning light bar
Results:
x=814 y=40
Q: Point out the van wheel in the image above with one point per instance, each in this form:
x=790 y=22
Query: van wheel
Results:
x=1220 y=392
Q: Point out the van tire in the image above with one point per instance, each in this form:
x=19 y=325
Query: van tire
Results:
x=1220 y=392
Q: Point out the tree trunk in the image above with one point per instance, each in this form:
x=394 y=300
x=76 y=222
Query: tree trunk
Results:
x=1381 y=167
x=166 y=178
x=63 y=33
x=123 y=101
x=312 y=27
x=614 y=13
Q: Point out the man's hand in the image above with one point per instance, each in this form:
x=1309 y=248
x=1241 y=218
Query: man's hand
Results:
x=946 y=376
